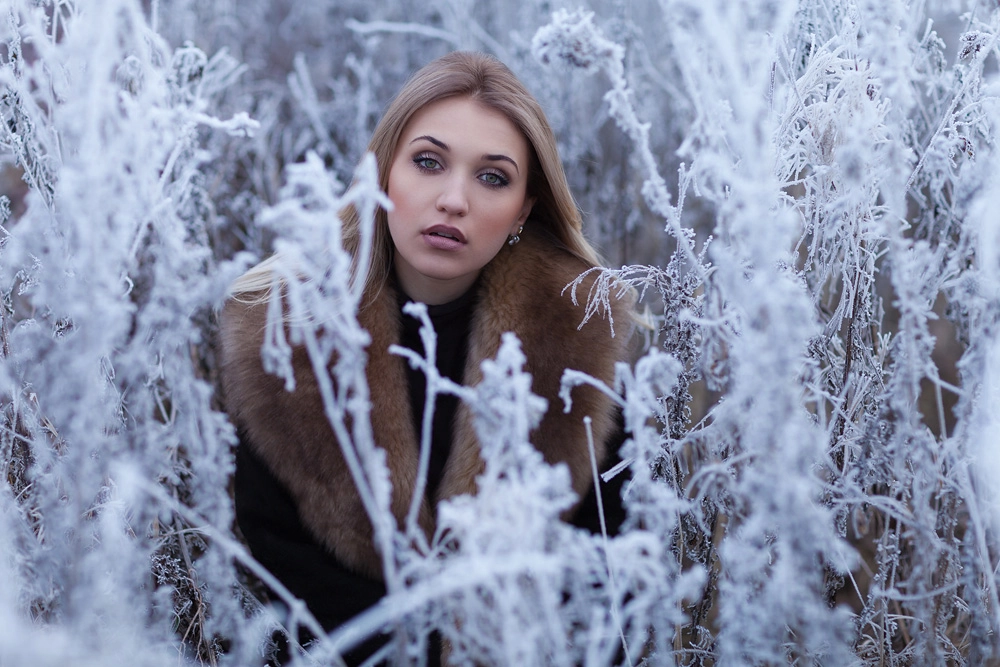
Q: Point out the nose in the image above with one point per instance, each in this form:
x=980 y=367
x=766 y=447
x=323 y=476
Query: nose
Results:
x=453 y=198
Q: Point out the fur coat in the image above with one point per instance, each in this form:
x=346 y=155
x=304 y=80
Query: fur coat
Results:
x=521 y=290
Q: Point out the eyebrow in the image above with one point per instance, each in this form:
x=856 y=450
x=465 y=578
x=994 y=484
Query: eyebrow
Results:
x=499 y=157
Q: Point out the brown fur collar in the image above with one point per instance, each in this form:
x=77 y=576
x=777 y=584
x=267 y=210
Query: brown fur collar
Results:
x=521 y=291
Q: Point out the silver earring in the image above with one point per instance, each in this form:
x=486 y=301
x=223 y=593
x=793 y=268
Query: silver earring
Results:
x=514 y=238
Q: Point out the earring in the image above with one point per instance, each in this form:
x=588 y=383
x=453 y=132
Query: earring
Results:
x=514 y=238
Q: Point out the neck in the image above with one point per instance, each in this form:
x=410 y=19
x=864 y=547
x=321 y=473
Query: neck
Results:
x=432 y=291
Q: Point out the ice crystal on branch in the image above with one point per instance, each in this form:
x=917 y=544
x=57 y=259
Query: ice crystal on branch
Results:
x=573 y=39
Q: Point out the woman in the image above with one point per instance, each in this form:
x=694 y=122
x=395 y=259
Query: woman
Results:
x=483 y=230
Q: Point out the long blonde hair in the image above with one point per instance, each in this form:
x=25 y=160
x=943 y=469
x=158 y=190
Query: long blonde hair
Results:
x=488 y=81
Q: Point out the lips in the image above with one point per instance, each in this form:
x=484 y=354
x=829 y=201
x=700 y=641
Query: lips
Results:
x=445 y=231
x=444 y=237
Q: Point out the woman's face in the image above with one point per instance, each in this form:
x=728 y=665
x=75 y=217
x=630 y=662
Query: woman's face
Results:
x=458 y=185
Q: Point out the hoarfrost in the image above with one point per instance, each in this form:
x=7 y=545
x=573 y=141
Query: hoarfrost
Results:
x=811 y=456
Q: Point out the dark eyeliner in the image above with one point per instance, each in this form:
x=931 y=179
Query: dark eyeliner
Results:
x=504 y=181
x=420 y=158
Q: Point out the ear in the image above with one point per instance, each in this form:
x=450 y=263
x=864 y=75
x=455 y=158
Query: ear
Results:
x=523 y=215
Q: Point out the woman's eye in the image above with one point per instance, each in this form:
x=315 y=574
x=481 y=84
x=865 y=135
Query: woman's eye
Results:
x=426 y=163
x=494 y=179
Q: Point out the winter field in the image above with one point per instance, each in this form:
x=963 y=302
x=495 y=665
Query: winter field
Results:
x=806 y=192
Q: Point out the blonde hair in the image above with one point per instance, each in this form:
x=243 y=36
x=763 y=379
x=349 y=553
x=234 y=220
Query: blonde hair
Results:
x=488 y=81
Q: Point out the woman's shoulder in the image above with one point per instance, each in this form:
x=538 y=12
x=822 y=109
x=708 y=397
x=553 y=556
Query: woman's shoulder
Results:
x=242 y=322
x=241 y=334
x=544 y=293
x=541 y=253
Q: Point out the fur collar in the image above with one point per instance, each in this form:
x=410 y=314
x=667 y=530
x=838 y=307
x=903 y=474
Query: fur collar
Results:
x=521 y=291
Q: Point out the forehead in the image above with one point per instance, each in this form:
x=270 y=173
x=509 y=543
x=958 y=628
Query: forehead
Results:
x=462 y=122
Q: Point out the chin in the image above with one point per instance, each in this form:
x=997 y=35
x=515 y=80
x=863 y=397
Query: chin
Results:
x=445 y=277
x=437 y=272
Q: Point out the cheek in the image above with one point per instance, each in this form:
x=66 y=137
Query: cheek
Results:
x=504 y=218
x=398 y=185
x=401 y=206
x=392 y=191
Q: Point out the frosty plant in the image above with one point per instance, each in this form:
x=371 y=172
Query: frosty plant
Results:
x=808 y=136
x=314 y=299
x=646 y=581
x=508 y=582
x=812 y=450
x=107 y=283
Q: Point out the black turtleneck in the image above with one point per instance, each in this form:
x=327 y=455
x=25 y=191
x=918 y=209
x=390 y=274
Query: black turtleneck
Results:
x=451 y=323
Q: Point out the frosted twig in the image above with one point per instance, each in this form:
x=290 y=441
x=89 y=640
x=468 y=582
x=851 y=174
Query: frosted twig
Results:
x=436 y=384
x=573 y=39
x=299 y=613
x=615 y=612
x=372 y=27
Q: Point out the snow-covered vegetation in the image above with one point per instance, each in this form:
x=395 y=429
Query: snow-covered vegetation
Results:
x=806 y=193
